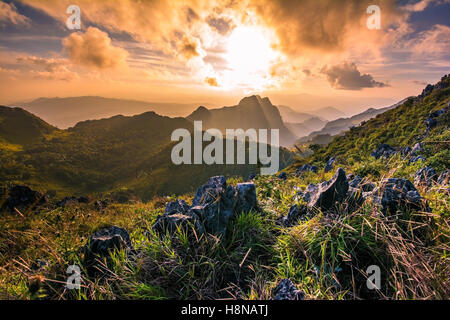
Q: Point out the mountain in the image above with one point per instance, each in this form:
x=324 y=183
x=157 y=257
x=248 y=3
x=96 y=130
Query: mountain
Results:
x=252 y=112
x=290 y=115
x=18 y=126
x=306 y=127
x=66 y=112
x=304 y=234
x=340 y=125
x=410 y=121
x=328 y=113
x=103 y=156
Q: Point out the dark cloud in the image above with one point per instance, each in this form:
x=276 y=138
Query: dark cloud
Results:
x=346 y=76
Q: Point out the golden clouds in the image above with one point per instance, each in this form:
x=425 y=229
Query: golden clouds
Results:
x=324 y=26
x=94 y=49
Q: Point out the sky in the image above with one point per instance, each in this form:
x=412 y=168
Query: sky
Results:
x=306 y=54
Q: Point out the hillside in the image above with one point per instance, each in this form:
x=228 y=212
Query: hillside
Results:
x=130 y=155
x=66 y=112
x=401 y=127
x=338 y=126
x=251 y=112
x=308 y=233
x=18 y=126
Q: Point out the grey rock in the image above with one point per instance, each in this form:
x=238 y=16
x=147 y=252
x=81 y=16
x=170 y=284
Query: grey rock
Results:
x=394 y=194
x=23 y=197
x=287 y=290
x=418 y=147
x=383 y=151
x=216 y=208
x=329 y=192
x=246 y=197
x=102 y=243
x=178 y=206
x=171 y=223
x=329 y=164
x=213 y=183
x=295 y=214
x=305 y=168
x=282 y=175
x=416 y=159
x=425 y=176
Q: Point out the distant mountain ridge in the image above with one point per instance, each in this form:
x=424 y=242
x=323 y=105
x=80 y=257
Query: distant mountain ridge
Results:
x=251 y=112
x=66 y=112
x=121 y=153
x=340 y=125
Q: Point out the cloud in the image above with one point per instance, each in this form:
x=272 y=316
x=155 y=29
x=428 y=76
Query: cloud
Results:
x=189 y=47
x=8 y=12
x=212 y=82
x=434 y=42
x=94 y=49
x=49 y=69
x=326 y=26
x=422 y=5
x=346 y=76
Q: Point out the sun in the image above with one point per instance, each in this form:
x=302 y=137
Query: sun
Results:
x=250 y=53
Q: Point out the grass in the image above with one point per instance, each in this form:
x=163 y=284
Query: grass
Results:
x=327 y=258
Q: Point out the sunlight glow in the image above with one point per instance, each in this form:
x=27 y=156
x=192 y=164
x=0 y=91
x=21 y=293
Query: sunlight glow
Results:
x=250 y=56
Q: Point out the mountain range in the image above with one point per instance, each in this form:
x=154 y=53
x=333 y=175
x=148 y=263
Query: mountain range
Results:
x=66 y=112
x=251 y=112
x=107 y=155
x=338 y=126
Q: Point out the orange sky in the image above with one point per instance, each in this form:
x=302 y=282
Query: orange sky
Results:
x=306 y=54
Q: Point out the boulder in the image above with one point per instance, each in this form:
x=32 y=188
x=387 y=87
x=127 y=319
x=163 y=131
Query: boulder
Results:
x=171 y=223
x=102 y=243
x=216 y=208
x=246 y=197
x=213 y=207
x=305 y=168
x=394 y=194
x=178 y=206
x=425 y=177
x=295 y=214
x=23 y=197
x=251 y=176
x=213 y=183
x=327 y=193
x=383 y=151
x=418 y=147
x=287 y=290
x=363 y=184
x=329 y=164
x=416 y=159
x=282 y=175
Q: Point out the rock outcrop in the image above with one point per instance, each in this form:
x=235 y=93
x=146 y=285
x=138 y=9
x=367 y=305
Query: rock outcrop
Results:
x=394 y=194
x=102 y=243
x=22 y=198
x=326 y=194
x=214 y=205
x=425 y=177
x=287 y=290
x=383 y=151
